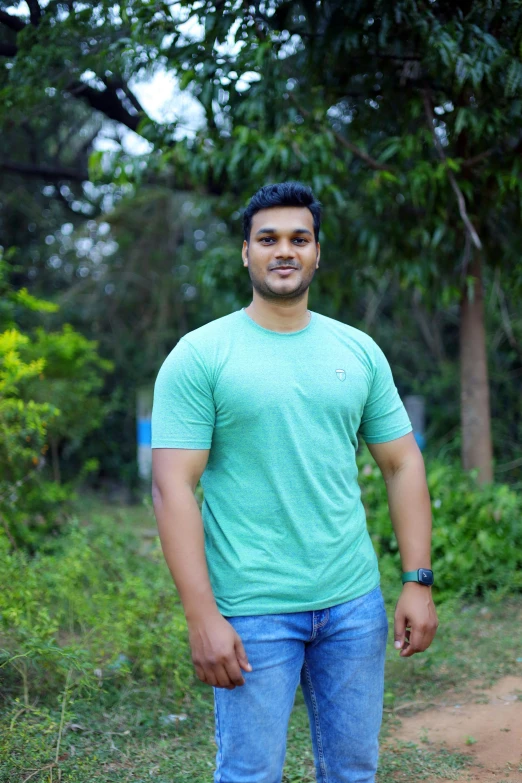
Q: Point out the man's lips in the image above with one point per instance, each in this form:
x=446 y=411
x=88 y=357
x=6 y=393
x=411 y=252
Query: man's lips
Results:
x=284 y=271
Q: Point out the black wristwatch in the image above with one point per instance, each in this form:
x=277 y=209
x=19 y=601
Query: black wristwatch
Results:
x=423 y=576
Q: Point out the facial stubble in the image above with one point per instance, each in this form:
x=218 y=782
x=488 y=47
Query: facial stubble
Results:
x=265 y=292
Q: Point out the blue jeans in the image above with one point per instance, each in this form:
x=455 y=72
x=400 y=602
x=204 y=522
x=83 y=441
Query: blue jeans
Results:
x=337 y=655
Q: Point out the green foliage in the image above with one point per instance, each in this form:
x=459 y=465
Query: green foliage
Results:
x=136 y=305
x=12 y=300
x=72 y=378
x=93 y=632
x=94 y=605
x=47 y=393
x=332 y=93
x=477 y=530
x=26 y=501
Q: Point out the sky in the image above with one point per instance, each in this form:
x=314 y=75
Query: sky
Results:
x=163 y=101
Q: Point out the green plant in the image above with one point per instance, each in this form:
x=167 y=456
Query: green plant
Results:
x=23 y=430
x=88 y=620
x=72 y=377
x=477 y=530
x=94 y=607
x=47 y=394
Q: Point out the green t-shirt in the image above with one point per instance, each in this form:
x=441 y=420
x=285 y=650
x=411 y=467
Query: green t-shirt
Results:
x=285 y=528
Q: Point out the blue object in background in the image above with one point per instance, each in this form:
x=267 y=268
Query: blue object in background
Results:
x=421 y=440
x=144 y=398
x=415 y=408
x=144 y=432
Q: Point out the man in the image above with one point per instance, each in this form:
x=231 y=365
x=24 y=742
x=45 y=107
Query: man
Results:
x=265 y=405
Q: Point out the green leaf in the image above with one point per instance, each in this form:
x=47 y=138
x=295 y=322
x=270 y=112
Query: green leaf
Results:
x=186 y=78
x=22 y=297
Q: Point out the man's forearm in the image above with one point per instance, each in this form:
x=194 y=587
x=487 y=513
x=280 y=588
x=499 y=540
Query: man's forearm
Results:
x=182 y=539
x=410 y=510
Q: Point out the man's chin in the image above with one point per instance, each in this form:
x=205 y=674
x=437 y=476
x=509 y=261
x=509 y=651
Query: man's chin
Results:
x=269 y=293
x=278 y=292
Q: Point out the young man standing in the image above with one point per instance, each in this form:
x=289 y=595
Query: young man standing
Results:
x=278 y=577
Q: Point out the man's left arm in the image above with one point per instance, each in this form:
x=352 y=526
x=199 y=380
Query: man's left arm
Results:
x=402 y=466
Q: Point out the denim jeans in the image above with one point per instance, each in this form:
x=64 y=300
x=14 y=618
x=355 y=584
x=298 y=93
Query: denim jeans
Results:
x=337 y=655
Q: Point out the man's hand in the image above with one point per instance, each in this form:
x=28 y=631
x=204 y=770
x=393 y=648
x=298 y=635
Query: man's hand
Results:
x=217 y=652
x=415 y=619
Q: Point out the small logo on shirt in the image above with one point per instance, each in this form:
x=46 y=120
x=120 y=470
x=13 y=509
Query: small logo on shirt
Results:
x=341 y=374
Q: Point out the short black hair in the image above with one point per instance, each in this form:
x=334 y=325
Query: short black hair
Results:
x=283 y=194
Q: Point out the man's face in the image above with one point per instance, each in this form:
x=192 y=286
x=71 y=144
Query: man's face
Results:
x=282 y=254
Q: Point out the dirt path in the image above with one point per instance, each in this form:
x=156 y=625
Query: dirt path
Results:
x=486 y=724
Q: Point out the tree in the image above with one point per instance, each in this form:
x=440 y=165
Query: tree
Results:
x=404 y=116
x=138 y=292
x=387 y=108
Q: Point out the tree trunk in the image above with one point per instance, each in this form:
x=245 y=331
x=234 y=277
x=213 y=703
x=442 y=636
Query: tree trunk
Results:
x=474 y=382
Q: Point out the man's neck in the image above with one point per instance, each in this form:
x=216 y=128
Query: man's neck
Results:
x=277 y=317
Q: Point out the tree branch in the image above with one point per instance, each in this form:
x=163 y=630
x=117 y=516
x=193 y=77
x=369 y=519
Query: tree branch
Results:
x=132 y=98
x=14 y=22
x=460 y=198
x=477 y=158
x=35 y=12
x=8 y=50
x=371 y=162
x=509 y=465
x=106 y=101
x=51 y=173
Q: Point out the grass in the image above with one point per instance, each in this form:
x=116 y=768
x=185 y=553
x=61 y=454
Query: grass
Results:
x=120 y=737
x=124 y=734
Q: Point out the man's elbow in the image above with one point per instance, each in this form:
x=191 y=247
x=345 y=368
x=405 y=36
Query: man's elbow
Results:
x=412 y=463
x=155 y=493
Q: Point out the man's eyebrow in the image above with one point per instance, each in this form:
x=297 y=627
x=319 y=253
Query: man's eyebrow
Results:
x=270 y=230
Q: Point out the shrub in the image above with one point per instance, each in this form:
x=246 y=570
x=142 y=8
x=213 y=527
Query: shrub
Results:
x=23 y=430
x=95 y=606
x=48 y=385
x=477 y=530
x=72 y=377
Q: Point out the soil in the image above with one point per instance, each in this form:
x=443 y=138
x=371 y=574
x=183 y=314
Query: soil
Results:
x=485 y=724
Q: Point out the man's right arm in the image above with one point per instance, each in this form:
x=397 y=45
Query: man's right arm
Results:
x=217 y=650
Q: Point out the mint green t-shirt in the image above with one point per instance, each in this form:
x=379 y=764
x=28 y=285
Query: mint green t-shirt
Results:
x=285 y=528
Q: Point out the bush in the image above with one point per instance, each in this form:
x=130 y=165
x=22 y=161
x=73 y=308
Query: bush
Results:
x=477 y=530
x=48 y=385
x=96 y=607
x=72 y=377
x=27 y=501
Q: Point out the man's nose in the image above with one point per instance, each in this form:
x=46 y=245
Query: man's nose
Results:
x=285 y=249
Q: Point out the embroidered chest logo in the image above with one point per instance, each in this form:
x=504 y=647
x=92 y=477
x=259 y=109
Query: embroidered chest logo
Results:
x=341 y=374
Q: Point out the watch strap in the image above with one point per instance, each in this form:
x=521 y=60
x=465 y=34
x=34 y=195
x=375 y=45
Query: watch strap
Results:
x=423 y=576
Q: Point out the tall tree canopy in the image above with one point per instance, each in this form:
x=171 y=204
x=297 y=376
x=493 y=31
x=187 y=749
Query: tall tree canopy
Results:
x=405 y=117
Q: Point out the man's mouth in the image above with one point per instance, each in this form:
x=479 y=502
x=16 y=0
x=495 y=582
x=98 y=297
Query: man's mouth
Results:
x=284 y=270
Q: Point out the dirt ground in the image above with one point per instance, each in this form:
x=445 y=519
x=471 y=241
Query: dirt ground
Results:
x=486 y=724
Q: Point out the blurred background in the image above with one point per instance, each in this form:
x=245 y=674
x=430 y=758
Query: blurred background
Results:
x=132 y=137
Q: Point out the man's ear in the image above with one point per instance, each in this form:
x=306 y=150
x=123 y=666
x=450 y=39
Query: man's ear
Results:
x=318 y=255
x=244 y=253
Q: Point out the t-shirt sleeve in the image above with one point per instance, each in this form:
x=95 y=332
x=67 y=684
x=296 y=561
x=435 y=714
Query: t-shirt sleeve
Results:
x=384 y=416
x=183 y=411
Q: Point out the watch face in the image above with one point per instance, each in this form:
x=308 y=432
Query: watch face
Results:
x=425 y=576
